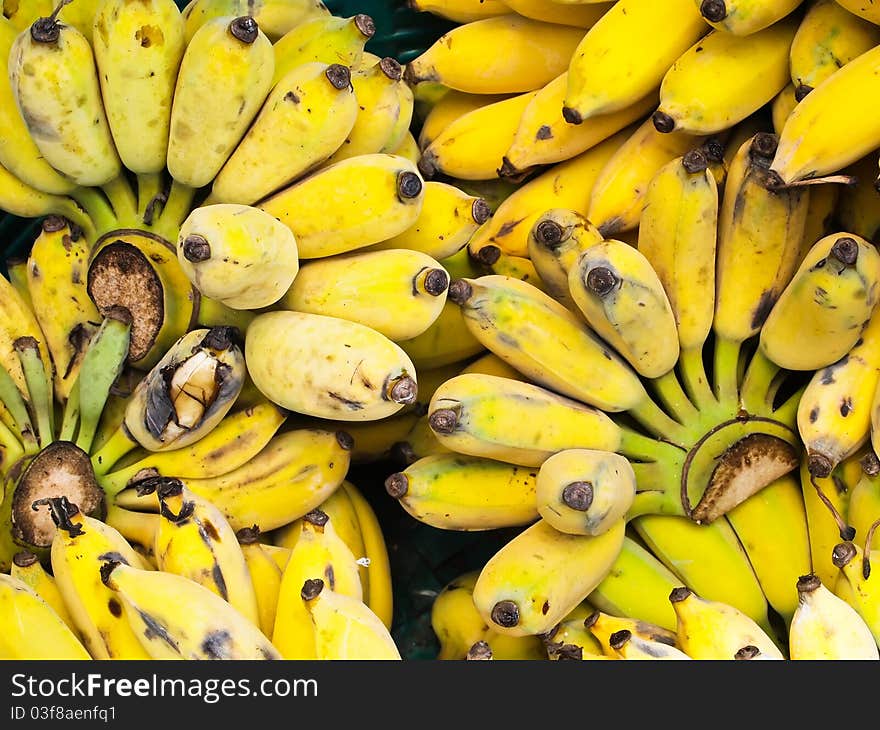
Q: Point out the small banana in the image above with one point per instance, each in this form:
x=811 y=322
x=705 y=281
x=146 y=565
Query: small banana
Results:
x=449 y=107
x=275 y=17
x=854 y=584
x=237 y=254
x=632 y=646
x=265 y=575
x=602 y=626
x=834 y=290
x=461 y=11
x=782 y=106
x=534 y=580
x=582 y=15
x=858 y=207
x=867 y=10
x=438 y=490
x=744 y=17
x=27 y=568
x=397 y=292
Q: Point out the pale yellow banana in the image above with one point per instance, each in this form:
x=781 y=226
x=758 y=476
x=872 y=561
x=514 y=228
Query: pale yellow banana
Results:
x=744 y=17
x=275 y=17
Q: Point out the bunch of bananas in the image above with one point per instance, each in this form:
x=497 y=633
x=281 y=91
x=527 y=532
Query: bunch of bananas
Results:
x=603 y=273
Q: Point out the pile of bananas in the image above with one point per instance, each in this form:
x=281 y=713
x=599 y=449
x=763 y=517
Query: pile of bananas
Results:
x=603 y=274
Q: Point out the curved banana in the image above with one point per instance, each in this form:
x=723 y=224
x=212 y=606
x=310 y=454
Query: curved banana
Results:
x=265 y=575
x=351 y=204
x=834 y=290
x=303 y=121
x=632 y=646
x=867 y=10
x=517 y=422
x=782 y=106
x=863 y=507
x=623 y=57
x=397 y=292
x=582 y=15
x=744 y=17
x=438 y=490
x=602 y=626
x=538 y=577
x=354 y=373
x=498 y=55
x=227 y=67
x=27 y=568
x=854 y=584
x=461 y=11
x=449 y=107
x=275 y=17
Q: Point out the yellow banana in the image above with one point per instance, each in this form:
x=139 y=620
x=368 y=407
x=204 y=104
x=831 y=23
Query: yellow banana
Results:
x=237 y=254
x=438 y=490
x=461 y=11
x=542 y=135
x=407 y=147
x=724 y=78
x=834 y=290
x=491 y=364
x=351 y=204
x=582 y=15
x=520 y=423
x=303 y=121
x=265 y=575
x=275 y=17
x=828 y=37
x=814 y=143
x=448 y=219
x=633 y=646
x=353 y=372
x=22 y=13
x=782 y=106
x=420 y=441
x=825 y=626
x=32 y=628
x=56 y=87
x=622 y=298
x=822 y=214
x=854 y=584
x=176 y=618
x=744 y=17
x=27 y=568
x=570 y=639
x=711 y=629
x=602 y=626
x=863 y=507
x=227 y=67
x=534 y=580
x=452 y=105
x=863 y=8
x=617 y=195
x=138 y=48
x=623 y=57
x=858 y=209
x=397 y=292
x=502 y=54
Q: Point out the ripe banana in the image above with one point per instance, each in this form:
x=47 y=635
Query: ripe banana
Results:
x=226 y=67
x=745 y=17
x=867 y=10
x=858 y=208
x=461 y=11
x=854 y=584
x=602 y=626
x=623 y=57
x=538 y=577
x=303 y=121
x=396 y=292
x=351 y=204
x=275 y=17
x=27 y=568
x=449 y=107
x=265 y=575
x=582 y=15
x=631 y=646
x=782 y=106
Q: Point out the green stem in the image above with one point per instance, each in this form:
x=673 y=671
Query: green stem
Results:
x=39 y=387
x=113 y=449
x=16 y=406
x=635 y=445
x=149 y=188
x=756 y=393
x=787 y=412
x=176 y=209
x=70 y=420
x=78 y=216
x=726 y=367
x=97 y=208
x=650 y=415
x=122 y=198
x=695 y=380
x=674 y=399
x=11 y=450
x=653 y=502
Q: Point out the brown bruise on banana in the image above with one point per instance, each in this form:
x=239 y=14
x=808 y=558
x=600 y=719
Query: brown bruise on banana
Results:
x=60 y=470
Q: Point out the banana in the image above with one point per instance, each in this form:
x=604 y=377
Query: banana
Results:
x=828 y=37
x=858 y=209
x=745 y=17
x=542 y=135
x=207 y=628
x=449 y=107
x=237 y=254
x=500 y=418
x=584 y=491
x=351 y=204
x=617 y=195
x=448 y=219
x=138 y=48
x=32 y=628
x=384 y=111
x=227 y=67
x=344 y=627
x=777 y=559
x=562 y=185
x=722 y=574
x=275 y=17
x=188 y=392
x=27 y=568
x=602 y=626
x=458 y=625
x=24 y=201
x=56 y=281
x=320 y=552
x=420 y=441
x=570 y=639
x=782 y=106
x=461 y=11
x=498 y=55
x=472 y=146
x=622 y=298
x=303 y=121
x=814 y=143
x=397 y=292
x=291 y=475
x=827 y=627
x=557 y=238
x=711 y=629
x=18 y=151
x=138 y=528
x=376 y=440
x=526 y=341
x=351 y=372
x=491 y=364
x=724 y=78
x=80 y=546
x=582 y=15
x=863 y=507
x=750 y=651
x=624 y=56
x=534 y=580
x=632 y=646
x=836 y=409
x=446 y=341
x=438 y=490
x=853 y=583
x=864 y=9
x=822 y=213
x=323 y=37
x=24 y=12
x=835 y=290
